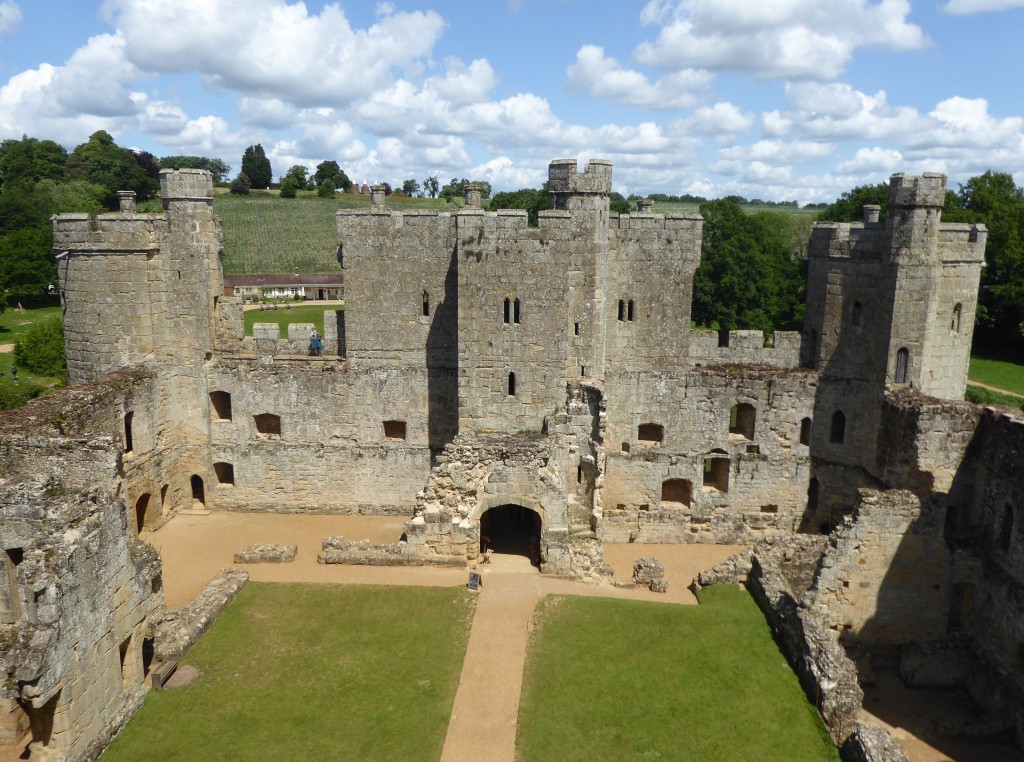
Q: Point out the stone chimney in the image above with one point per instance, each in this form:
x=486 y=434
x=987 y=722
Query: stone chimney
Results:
x=377 y=197
x=871 y=212
x=644 y=205
x=126 y=199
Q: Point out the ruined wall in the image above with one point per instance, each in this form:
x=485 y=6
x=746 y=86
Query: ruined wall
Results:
x=747 y=470
x=81 y=588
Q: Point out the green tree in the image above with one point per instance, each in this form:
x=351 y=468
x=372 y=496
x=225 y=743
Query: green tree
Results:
x=299 y=174
x=994 y=199
x=456 y=189
x=849 y=207
x=618 y=203
x=102 y=162
x=241 y=184
x=256 y=166
x=41 y=349
x=217 y=168
x=326 y=188
x=530 y=199
x=411 y=188
x=27 y=266
x=289 y=187
x=329 y=170
x=431 y=186
x=749 y=276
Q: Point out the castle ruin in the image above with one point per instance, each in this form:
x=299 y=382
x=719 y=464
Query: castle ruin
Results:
x=537 y=387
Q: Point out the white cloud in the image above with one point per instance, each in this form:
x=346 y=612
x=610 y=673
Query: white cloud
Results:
x=723 y=119
x=274 y=49
x=10 y=16
x=873 y=161
x=778 y=152
x=799 y=39
x=962 y=7
x=597 y=75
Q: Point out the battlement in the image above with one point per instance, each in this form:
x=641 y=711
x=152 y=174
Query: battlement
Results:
x=745 y=348
x=649 y=221
x=565 y=182
x=927 y=191
x=186 y=185
x=108 y=233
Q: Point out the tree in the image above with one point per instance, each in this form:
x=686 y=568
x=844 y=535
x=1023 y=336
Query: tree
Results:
x=411 y=188
x=256 y=166
x=388 y=190
x=289 y=186
x=31 y=159
x=41 y=349
x=617 y=203
x=456 y=189
x=749 y=276
x=217 y=168
x=102 y=162
x=326 y=188
x=241 y=184
x=431 y=186
x=850 y=206
x=329 y=170
x=299 y=174
x=530 y=199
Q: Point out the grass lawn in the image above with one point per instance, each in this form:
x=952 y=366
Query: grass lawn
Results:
x=297 y=313
x=998 y=373
x=628 y=680
x=14 y=323
x=313 y=672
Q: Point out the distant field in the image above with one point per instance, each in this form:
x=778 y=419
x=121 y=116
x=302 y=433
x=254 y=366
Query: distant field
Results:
x=14 y=323
x=297 y=313
x=264 y=233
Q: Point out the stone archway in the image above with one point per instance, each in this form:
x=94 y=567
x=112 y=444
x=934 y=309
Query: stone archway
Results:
x=511 y=529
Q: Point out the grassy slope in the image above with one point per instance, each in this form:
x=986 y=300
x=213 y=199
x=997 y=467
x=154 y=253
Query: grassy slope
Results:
x=264 y=233
x=12 y=325
x=313 y=672
x=998 y=373
x=625 y=680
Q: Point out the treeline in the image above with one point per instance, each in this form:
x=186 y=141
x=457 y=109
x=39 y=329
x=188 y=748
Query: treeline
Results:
x=688 y=198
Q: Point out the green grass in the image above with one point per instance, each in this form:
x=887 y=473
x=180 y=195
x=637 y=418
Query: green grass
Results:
x=14 y=323
x=982 y=396
x=313 y=672
x=297 y=313
x=1004 y=375
x=264 y=233
x=627 y=680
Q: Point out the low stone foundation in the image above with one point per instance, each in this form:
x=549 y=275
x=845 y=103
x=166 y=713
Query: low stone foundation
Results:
x=338 y=550
x=266 y=554
x=177 y=631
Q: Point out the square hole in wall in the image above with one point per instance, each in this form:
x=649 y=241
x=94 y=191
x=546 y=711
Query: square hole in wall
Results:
x=394 y=430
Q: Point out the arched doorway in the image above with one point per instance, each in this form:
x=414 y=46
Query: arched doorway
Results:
x=512 y=530
x=198 y=492
x=141 y=505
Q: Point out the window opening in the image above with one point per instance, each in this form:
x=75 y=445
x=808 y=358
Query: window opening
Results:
x=837 y=433
x=677 y=491
x=650 y=433
x=812 y=494
x=508 y=310
x=857 y=314
x=426 y=303
x=511 y=384
x=1006 y=528
x=625 y=447
x=268 y=424
x=125 y=646
x=576 y=329
x=128 y=444
x=770 y=508
x=716 y=471
x=394 y=429
x=10 y=598
x=579 y=474
x=225 y=473
x=221 y=403
x=515 y=310
x=163 y=498
x=954 y=323
x=805 y=431
x=629 y=311
x=741 y=420
x=622 y=309
x=902 y=361
x=141 y=505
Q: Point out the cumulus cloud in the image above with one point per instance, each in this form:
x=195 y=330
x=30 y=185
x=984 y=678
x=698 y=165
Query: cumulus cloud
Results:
x=795 y=39
x=963 y=7
x=10 y=16
x=722 y=119
x=596 y=75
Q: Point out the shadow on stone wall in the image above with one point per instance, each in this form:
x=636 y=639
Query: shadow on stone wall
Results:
x=443 y=364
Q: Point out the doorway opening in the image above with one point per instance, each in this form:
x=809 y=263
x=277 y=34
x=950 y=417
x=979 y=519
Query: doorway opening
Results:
x=512 y=530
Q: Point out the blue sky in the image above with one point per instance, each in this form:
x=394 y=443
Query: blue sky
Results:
x=780 y=100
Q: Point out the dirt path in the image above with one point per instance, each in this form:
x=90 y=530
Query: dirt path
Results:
x=5 y=348
x=995 y=389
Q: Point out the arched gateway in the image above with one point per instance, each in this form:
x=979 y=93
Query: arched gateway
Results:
x=511 y=529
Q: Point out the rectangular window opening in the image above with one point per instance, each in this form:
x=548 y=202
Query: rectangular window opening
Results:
x=394 y=430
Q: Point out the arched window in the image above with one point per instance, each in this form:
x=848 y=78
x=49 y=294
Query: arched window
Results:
x=954 y=321
x=650 y=433
x=622 y=309
x=515 y=310
x=508 y=310
x=426 y=303
x=198 y=490
x=812 y=494
x=902 y=364
x=741 y=420
x=837 y=432
x=1006 y=529
x=805 y=431
x=511 y=384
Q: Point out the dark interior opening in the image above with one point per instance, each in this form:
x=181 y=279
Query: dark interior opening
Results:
x=225 y=473
x=141 y=505
x=128 y=444
x=513 y=530
x=221 y=402
x=268 y=424
x=198 y=490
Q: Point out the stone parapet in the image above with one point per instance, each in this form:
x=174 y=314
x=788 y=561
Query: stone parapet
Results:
x=745 y=348
x=177 y=631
